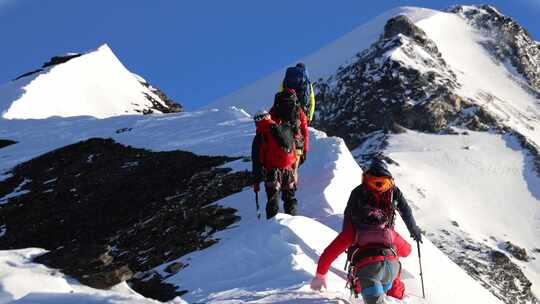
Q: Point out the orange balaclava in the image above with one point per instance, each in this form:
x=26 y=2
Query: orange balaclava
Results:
x=377 y=178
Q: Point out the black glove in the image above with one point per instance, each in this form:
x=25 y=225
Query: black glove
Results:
x=416 y=234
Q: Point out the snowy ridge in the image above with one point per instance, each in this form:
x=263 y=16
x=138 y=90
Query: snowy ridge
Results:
x=500 y=186
x=94 y=84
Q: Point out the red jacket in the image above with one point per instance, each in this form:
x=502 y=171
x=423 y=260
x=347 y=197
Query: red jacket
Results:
x=303 y=126
x=346 y=239
x=266 y=151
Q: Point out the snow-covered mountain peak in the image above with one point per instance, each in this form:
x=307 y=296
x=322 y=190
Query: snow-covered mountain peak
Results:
x=93 y=84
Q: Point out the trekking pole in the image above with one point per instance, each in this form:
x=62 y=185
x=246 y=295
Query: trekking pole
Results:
x=257 y=203
x=421 y=272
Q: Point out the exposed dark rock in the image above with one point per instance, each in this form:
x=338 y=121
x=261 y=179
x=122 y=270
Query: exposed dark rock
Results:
x=6 y=142
x=28 y=74
x=492 y=268
x=105 y=211
x=516 y=251
x=60 y=59
x=154 y=287
x=404 y=26
x=107 y=278
x=53 y=61
x=499 y=258
x=170 y=105
x=377 y=92
x=455 y=224
x=174 y=267
x=122 y=130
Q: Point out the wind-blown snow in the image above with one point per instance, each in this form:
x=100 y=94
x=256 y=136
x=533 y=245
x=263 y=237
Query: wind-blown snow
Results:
x=95 y=84
x=494 y=85
x=260 y=95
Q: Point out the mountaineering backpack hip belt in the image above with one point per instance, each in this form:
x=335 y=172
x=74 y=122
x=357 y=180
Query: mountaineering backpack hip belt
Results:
x=372 y=252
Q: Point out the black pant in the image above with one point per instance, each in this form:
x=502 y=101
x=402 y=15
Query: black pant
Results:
x=280 y=180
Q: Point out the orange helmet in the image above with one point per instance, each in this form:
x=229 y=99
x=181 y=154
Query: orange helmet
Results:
x=377 y=183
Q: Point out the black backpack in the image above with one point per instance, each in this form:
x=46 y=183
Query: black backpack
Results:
x=289 y=112
x=284 y=136
x=296 y=78
x=372 y=223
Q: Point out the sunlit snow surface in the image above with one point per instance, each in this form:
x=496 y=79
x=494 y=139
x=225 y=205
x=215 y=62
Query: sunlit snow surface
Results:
x=495 y=85
x=484 y=182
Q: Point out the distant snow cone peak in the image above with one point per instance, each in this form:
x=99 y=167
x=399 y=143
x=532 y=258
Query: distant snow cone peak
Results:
x=91 y=84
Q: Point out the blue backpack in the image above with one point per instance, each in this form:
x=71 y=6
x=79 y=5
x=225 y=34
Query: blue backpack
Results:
x=296 y=78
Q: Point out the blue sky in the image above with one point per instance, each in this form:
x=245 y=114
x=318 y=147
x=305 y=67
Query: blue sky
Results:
x=195 y=50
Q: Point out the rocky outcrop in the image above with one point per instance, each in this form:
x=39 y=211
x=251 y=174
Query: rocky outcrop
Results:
x=6 y=142
x=53 y=61
x=384 y=87
x=491 y=267
x=170 y=105
x=109 y=213
x=516 y=251
x=60 y=59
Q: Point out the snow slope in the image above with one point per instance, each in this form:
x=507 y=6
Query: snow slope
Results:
x=492 y=84
x=260 y=95
x=484 y=182
x=94 y=84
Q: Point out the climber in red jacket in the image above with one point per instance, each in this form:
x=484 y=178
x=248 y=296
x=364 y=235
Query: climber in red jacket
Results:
x=287 y=110
x=371 y=262
x=368 y=232
x=273 y=158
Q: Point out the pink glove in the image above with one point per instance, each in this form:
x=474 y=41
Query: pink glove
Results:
x=318 y=282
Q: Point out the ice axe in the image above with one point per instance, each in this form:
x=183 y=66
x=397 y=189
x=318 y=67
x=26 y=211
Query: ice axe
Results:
x=421 y=272
x=256 y=190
